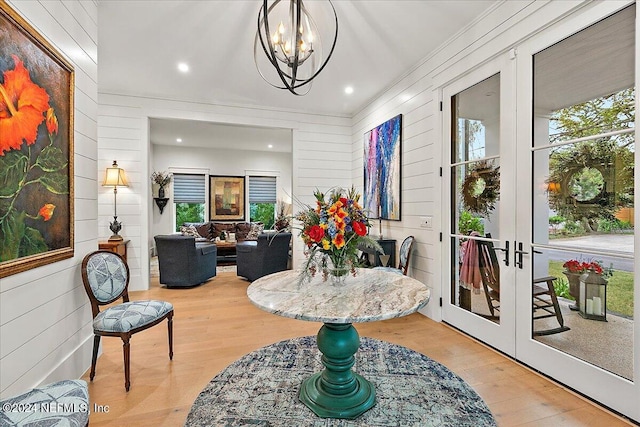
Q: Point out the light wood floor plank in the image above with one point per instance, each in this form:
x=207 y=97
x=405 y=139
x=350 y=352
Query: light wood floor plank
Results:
x=215 y=324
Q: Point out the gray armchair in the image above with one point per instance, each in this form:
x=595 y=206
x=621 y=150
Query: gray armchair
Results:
x=183 y=262
x=269 y=254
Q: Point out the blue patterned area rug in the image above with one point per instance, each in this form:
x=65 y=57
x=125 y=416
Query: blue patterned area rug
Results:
x=261 y=389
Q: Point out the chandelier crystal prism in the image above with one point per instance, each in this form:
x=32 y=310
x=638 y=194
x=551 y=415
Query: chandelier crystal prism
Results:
x=291 y=43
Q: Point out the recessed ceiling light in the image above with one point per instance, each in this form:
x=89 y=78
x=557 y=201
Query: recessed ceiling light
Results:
x=348 y=90
x=270 y=145
x=182 y=66
x=178 y=140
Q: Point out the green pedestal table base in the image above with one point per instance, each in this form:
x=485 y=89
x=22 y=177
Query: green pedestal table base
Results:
x=337 y=392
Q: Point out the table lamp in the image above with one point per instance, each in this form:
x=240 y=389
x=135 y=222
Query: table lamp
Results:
x=115 y=177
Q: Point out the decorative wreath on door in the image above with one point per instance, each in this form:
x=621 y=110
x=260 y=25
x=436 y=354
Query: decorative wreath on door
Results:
x=481 y=188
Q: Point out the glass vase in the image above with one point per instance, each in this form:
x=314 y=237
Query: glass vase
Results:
x=338 y=270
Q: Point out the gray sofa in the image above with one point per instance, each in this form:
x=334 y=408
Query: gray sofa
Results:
x=269 y=254
x=183 y=262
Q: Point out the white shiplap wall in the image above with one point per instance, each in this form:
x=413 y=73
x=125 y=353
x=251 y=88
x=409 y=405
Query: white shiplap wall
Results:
x=45 y=316
x=321 y=159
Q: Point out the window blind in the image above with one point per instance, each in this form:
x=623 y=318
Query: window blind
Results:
x=262 y=189
x=188 y=188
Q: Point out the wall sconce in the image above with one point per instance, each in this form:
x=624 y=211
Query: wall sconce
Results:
x=115 y=177
x=161 y=202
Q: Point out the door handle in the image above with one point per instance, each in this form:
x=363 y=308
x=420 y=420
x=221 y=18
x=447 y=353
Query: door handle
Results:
x=517 y=255
x=506 y=252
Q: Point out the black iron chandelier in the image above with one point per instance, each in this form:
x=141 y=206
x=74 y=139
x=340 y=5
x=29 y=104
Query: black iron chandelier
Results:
x=292 y=44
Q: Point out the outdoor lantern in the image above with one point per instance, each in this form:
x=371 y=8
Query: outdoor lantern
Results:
x=593 y=296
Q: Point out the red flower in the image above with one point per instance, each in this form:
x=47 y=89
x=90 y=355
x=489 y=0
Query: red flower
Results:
x=359 y=228
x=46 y=211
x=344 y=201
x=52 y=122
x=575 y=266
x=22 y=104
x=316 y=233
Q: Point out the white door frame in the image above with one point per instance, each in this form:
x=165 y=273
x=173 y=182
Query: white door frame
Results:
x=502 y=335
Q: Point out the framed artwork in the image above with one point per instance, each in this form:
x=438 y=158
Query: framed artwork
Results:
x=36 y=148
x=382 y=170
x=226 y=198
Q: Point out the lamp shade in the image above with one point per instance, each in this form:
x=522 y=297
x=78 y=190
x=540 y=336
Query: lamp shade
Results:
x=115 y=177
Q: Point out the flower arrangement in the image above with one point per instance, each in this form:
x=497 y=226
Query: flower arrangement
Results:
x=161 y=178
x=332 y=231
x=580 y=267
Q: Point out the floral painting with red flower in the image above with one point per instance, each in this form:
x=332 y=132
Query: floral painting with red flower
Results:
x=36 y=148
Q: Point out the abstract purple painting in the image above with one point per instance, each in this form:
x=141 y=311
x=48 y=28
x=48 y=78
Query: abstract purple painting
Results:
x=382 y=174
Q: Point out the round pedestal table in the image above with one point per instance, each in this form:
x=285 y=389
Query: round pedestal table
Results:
x=369 y=296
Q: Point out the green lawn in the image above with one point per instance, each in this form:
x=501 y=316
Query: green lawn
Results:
x=619 y=289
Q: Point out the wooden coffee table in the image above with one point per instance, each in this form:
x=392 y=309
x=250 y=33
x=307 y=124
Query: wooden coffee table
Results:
x=226 y=252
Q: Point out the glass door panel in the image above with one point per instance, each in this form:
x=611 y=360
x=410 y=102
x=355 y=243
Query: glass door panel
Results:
x=583 y=165
x=475 y=185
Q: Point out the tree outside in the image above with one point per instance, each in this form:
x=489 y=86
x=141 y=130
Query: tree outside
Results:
x=594 y=179
x=189 y=212
x=263 y=212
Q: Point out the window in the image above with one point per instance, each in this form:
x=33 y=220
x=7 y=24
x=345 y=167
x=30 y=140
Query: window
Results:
x=262 y=200
x=189 y=198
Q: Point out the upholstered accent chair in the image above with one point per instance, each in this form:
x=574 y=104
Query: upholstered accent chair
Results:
x=405 y=256
x=105 y=276
x=269 y=254
x=183 y=262
x=68 y=401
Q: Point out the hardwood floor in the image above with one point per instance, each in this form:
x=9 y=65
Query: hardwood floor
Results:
x=215 y=324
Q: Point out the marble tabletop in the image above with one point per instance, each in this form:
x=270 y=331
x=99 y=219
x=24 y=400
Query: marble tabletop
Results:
x=370 y=296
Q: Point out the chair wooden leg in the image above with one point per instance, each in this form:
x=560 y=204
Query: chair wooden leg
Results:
x=556 y=306
x=94 y=357
x=125 y=349
x=170 y=326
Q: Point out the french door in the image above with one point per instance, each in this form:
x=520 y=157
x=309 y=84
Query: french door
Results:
x=481 y=177
x=554 y=193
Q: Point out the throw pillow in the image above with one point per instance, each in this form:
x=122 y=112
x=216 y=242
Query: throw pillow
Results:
x=190 y=230
x=255 y=231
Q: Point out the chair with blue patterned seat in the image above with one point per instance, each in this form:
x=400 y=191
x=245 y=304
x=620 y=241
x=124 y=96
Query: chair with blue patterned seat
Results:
x=106 y=279
x=61 y=404
x=405 y=256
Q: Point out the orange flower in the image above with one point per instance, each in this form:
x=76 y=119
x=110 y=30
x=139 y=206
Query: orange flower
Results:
x=22 y=104
x=340 y=215
x=52 y=122
x=46 y=211
x=338 y=241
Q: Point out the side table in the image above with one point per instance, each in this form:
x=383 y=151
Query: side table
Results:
x=118 y=246
x=389 y=248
